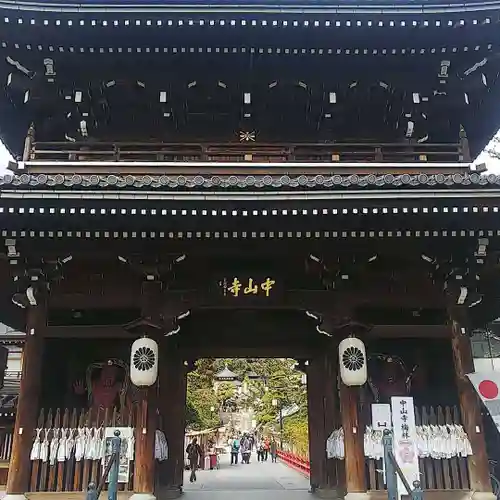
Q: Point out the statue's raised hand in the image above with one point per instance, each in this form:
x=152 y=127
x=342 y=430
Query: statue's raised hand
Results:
x=79 y=387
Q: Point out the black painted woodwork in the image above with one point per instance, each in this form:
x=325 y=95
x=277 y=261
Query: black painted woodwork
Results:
x=374 y=89
x=88 y=317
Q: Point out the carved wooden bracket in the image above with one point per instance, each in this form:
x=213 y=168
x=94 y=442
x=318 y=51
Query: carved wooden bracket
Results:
x=31 y=278
x=338 y=274
x=340 y=328
x=190 y=365
x=144 y=326
x=153 y=269
x=301 y=365
x=471 y=286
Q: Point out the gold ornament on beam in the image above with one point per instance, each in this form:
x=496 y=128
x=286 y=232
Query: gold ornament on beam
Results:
x=248 y=136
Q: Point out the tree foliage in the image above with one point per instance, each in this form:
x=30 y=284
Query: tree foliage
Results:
x=296 y=433
x=493 y=149
x=201 y=409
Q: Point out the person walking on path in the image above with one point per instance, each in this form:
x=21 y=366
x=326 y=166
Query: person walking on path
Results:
x=245 y=450
x=266 y=449
x=273 y=446
x=235 y=450
x=194 y=455
x=260 y=451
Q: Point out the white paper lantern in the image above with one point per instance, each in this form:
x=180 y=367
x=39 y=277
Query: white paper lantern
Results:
x=352 y=361
x=144 y=362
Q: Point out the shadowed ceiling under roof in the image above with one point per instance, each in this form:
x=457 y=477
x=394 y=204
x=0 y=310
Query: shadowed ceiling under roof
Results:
x=250 y=77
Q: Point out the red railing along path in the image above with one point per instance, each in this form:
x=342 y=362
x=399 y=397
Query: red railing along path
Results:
x=295 y=462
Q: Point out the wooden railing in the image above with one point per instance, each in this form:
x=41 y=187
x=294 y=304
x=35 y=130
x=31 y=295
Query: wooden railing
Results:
x=6 y=437
x=436 y=474
x=296 y=462
x=13 y=374
x=442 y=474
x=404 y=152
x=73 y=475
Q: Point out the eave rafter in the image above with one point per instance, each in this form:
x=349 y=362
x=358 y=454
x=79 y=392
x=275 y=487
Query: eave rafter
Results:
x=402 y=107
x=471 y=286
x=31 y=277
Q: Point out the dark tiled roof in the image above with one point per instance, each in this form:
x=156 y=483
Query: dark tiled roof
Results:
x=226 y=373
x=165 y=182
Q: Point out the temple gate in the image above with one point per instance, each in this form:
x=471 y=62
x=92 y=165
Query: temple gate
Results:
x=245 y=199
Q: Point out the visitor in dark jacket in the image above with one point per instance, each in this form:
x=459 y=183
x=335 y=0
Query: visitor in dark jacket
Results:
x=194 y=454
x=246 y=450
x=273 y=447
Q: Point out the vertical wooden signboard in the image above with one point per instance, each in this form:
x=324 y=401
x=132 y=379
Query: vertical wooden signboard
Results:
x=405 y=440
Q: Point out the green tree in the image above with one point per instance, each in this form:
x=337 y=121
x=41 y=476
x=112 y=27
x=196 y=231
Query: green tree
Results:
x=296 y=433
x=200 y=397
x=279 y=382
x=225 y=392
x=202 y=376
x=201 y=409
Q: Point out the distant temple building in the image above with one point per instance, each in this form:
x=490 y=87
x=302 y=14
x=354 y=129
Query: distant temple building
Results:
x=226 y=376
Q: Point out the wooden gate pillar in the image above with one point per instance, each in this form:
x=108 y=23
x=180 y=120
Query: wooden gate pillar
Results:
x=146 y=417
x=322 y=396
x=144 y=459
x=355 y=480
x=27 y=407
x=470 y=408
x=171 y=404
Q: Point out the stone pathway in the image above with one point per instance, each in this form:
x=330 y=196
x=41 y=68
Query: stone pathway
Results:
x=266 y=481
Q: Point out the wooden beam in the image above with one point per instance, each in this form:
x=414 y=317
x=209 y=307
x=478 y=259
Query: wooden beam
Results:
x=94 y=253
x=117 y=331
x=27 y=406
x=410 y=331
x=336 y=303
x=276 y=351
x=342 y=302
x=470 y=408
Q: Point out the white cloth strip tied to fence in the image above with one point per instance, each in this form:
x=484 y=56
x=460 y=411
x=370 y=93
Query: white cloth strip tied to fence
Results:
x=61 y=450
x=335 y=444
x=82 y=443
x=54 y=445
x=131 y=446
x=45 y=446
x=70 y=443
x=161 y=446
x=35 y=449
x=95 y=449
x=433 y=441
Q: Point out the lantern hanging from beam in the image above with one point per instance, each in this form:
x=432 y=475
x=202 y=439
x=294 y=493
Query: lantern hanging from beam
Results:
x=144 y=362
x=352 y=360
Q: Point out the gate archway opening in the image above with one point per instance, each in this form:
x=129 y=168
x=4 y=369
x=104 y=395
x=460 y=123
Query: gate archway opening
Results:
x=265 y=334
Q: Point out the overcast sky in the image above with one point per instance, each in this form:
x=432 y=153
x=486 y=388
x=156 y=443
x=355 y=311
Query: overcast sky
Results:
x=493 y=165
